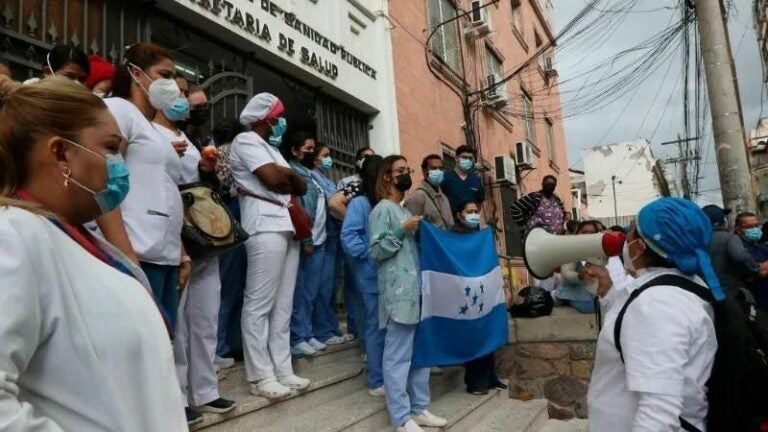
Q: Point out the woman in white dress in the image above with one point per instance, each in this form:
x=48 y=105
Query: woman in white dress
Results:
x=84 y=347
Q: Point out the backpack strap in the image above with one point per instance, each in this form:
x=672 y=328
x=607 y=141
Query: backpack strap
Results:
x=670 y=280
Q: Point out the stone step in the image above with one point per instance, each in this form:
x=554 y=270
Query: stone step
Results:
x=331 y=374
x=513 y=415
x=576 y=425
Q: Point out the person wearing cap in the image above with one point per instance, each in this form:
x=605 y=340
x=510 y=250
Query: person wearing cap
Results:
x=733 y=262
x=667 y=334
x=99 y=79
x=265 y=180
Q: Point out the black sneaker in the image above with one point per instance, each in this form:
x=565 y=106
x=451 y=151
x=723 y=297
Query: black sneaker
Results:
x=218 y=406
x=193 y=417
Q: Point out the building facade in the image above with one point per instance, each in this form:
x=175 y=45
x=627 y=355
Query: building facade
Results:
x=329 y=61
x=622 y=178
x=758 y=161
x=482 y=73
x=580 y=208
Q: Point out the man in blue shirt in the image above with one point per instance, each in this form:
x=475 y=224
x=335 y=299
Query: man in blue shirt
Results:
x=463 y=184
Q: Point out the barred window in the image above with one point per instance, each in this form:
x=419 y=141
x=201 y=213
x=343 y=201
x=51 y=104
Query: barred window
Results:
x=445 y=41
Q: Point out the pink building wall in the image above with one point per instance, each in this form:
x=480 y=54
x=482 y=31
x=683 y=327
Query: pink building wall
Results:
x=430 y=112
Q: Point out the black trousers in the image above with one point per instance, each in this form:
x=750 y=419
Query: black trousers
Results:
x=480 y=373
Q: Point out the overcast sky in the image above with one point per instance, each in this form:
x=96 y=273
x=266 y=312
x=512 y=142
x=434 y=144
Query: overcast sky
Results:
x=584 y=131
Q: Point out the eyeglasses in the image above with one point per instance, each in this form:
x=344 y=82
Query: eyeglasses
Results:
x=401 y=171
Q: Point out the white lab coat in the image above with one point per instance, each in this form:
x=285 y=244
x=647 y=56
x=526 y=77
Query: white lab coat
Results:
x=84 y=347
x=668 y=342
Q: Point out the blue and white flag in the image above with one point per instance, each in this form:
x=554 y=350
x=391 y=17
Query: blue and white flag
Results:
x=463 y=308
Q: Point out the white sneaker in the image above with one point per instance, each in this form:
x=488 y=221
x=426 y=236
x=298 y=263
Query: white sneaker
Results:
x=223 y=363
x=335 y=340
x=294 y=382
x=303 y=349
x=377 y=392
x=317 y=345
x=426 y=418
x=409 y=426
x=270 y=389
x=348 y=337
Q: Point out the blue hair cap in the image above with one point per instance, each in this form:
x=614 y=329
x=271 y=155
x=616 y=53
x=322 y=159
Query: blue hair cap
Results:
x=679 y=231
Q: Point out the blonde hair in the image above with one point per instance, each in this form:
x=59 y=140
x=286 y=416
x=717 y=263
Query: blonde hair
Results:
x=55 y=106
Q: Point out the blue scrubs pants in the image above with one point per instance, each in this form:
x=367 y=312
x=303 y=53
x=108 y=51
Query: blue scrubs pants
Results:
x=305 y=296
x=407 y=389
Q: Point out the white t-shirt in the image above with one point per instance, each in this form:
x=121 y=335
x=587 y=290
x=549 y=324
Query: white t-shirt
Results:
x=319 y=233
x=84 y=347
x=190 y=162
x=152 y=211
x=248 y=153
x=668 y=341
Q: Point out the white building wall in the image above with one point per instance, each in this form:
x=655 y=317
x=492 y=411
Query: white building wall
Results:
x=632 y=165
x=348 y=55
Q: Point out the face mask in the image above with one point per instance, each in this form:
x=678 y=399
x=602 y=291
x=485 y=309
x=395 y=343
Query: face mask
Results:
x=278 y=130
x=436 y=177
x=308 y=160
x=360 y=163
x=327 y=163
x=548 y=188
x=117 y=186
x=472 y=220
x=199 y=116
x=628 y=259
x=466 y=164
x=403 y=182
x=99 y=94
x=162 y=93
x=753 y=234
x=179 y=111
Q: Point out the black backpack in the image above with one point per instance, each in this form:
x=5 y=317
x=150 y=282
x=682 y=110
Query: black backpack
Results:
x=737 y=389
x=536 y=302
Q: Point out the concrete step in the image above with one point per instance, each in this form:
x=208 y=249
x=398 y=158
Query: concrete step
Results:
x=513 y=415
x=332 y=372
x=578 y=425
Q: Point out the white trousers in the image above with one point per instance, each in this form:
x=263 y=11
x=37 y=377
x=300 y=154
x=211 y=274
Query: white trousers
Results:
x=273 y=261
x=196 y=333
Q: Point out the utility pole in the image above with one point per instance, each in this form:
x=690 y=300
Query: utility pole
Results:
x=683 y=161
x=735 y=178
x=615 y=207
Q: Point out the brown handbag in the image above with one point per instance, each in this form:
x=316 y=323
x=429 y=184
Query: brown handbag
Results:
x=302 y=223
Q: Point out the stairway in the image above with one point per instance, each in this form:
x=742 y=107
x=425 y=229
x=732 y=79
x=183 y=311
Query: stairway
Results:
x=338 y=400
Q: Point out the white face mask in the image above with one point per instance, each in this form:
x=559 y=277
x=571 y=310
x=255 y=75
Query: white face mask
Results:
x=162 y=93
x=629 y=265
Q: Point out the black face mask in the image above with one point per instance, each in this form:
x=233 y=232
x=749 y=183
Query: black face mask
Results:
x=182 y=124
x=308 y=160
x=548 y=188
x=403 y=182
x=199 y=116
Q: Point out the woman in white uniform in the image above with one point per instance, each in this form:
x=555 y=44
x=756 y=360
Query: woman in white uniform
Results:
x=147 y=226
x=197 y=327
x=265 y=181
x=84 y=347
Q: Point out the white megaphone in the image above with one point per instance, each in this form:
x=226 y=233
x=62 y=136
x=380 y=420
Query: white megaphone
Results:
x=545 y=252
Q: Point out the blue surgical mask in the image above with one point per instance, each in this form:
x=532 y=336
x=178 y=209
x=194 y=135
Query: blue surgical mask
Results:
x=472 y=220
x=278 y=130
x=753 y=234
x=466 y=164
x=117 y=186
x=327 y=163
x=179 y=111
x=436 y=177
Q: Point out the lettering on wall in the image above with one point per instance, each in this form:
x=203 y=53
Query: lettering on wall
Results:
x=320 y=53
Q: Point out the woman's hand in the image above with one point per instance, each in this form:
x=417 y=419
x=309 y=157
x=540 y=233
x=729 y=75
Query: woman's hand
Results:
x=593 y=273
x=180 y=147
x=411 y=225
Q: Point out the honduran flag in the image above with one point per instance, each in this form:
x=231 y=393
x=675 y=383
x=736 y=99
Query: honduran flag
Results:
x=463 y=308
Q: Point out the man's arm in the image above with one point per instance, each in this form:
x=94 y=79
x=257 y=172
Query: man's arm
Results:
x=739 y=254
x=523 y=208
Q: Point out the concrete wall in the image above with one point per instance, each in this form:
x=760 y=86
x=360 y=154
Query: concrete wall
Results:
x=430 y=115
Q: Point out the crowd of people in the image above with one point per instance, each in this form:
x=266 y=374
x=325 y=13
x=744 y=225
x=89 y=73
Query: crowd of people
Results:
x=122 y=323
x=114 y=326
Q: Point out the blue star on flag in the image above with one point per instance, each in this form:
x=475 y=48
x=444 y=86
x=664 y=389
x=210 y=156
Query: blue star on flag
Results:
x=463 y=310
x=466 y=291
x=482 y=289
x=481 y=306
x=474 y=299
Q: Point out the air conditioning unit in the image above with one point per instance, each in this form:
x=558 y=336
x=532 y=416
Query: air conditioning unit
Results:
x=496 y=95
x=480 y=26
x=506 y=171
x=549 y=67
x=524 y=154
